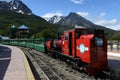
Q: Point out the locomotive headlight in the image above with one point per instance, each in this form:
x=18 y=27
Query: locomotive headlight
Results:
x=82 y=48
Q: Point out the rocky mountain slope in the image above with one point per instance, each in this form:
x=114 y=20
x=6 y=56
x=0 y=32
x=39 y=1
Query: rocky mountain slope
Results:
x=73 y=20
x=16 y=6
x=17 y=13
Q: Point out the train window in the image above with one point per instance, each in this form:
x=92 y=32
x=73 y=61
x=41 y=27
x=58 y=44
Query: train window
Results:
x=99 y=41
x=77 y=34
x=66 y=36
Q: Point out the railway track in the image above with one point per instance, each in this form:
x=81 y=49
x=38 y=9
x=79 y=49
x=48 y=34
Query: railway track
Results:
x=46 y=68
x=44 y=71
x=49 y=68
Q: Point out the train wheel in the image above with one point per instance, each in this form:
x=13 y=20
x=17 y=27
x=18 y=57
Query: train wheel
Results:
x=62 y=58
x=46 y=51
x=86 y=69
x=74 y=65
x=68 y=62
x=54 y=56
x=112 y=75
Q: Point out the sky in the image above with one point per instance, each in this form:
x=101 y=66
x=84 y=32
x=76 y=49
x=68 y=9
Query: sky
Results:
x=101 y=12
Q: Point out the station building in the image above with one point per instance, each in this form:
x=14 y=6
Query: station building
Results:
x=21 y=32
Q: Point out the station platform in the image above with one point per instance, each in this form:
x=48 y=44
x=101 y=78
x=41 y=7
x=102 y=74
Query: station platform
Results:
x=114 y=64
x=113 y=54
x=13 y=64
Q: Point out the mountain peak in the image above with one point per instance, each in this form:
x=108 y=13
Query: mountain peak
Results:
x=16 y=0
x=54 y=19
x=16 y=6
x=74 y=20
x=71 y=20
x=73 y=13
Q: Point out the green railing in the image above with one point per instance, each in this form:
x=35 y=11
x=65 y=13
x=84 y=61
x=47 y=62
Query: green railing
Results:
x=37 y=43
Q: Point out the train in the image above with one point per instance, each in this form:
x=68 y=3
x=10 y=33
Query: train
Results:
x=85 y=49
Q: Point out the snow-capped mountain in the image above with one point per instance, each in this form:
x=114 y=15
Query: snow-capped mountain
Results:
x=54 y=19
x=71 y=20
x=74 y=20
x=15 y=5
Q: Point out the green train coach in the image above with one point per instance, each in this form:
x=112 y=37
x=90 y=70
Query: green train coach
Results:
x=38 y=43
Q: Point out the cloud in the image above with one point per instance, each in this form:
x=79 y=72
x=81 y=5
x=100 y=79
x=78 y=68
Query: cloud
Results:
x=51 y=14
x=99 y=16
x=83 y=14
x=113 y=23
x=107 y=22
x=77 y=1
x=102 y=14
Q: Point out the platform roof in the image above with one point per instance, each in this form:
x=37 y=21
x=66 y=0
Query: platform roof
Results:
x=23 y=27
x=13 y=26
x=4 y=37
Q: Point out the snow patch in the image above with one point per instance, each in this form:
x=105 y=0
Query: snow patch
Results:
x=46 y=18
x=54 y=19
x=14 y=7
x=15 y=3
x=20 y=11
x=29 y=13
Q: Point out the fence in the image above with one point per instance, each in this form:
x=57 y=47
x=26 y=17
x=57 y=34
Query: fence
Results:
x=113 y=46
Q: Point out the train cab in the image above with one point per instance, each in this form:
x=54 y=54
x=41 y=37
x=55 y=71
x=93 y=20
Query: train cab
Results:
x=89 y=46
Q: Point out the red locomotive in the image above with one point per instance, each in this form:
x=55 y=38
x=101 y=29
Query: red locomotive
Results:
x=86 y=49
